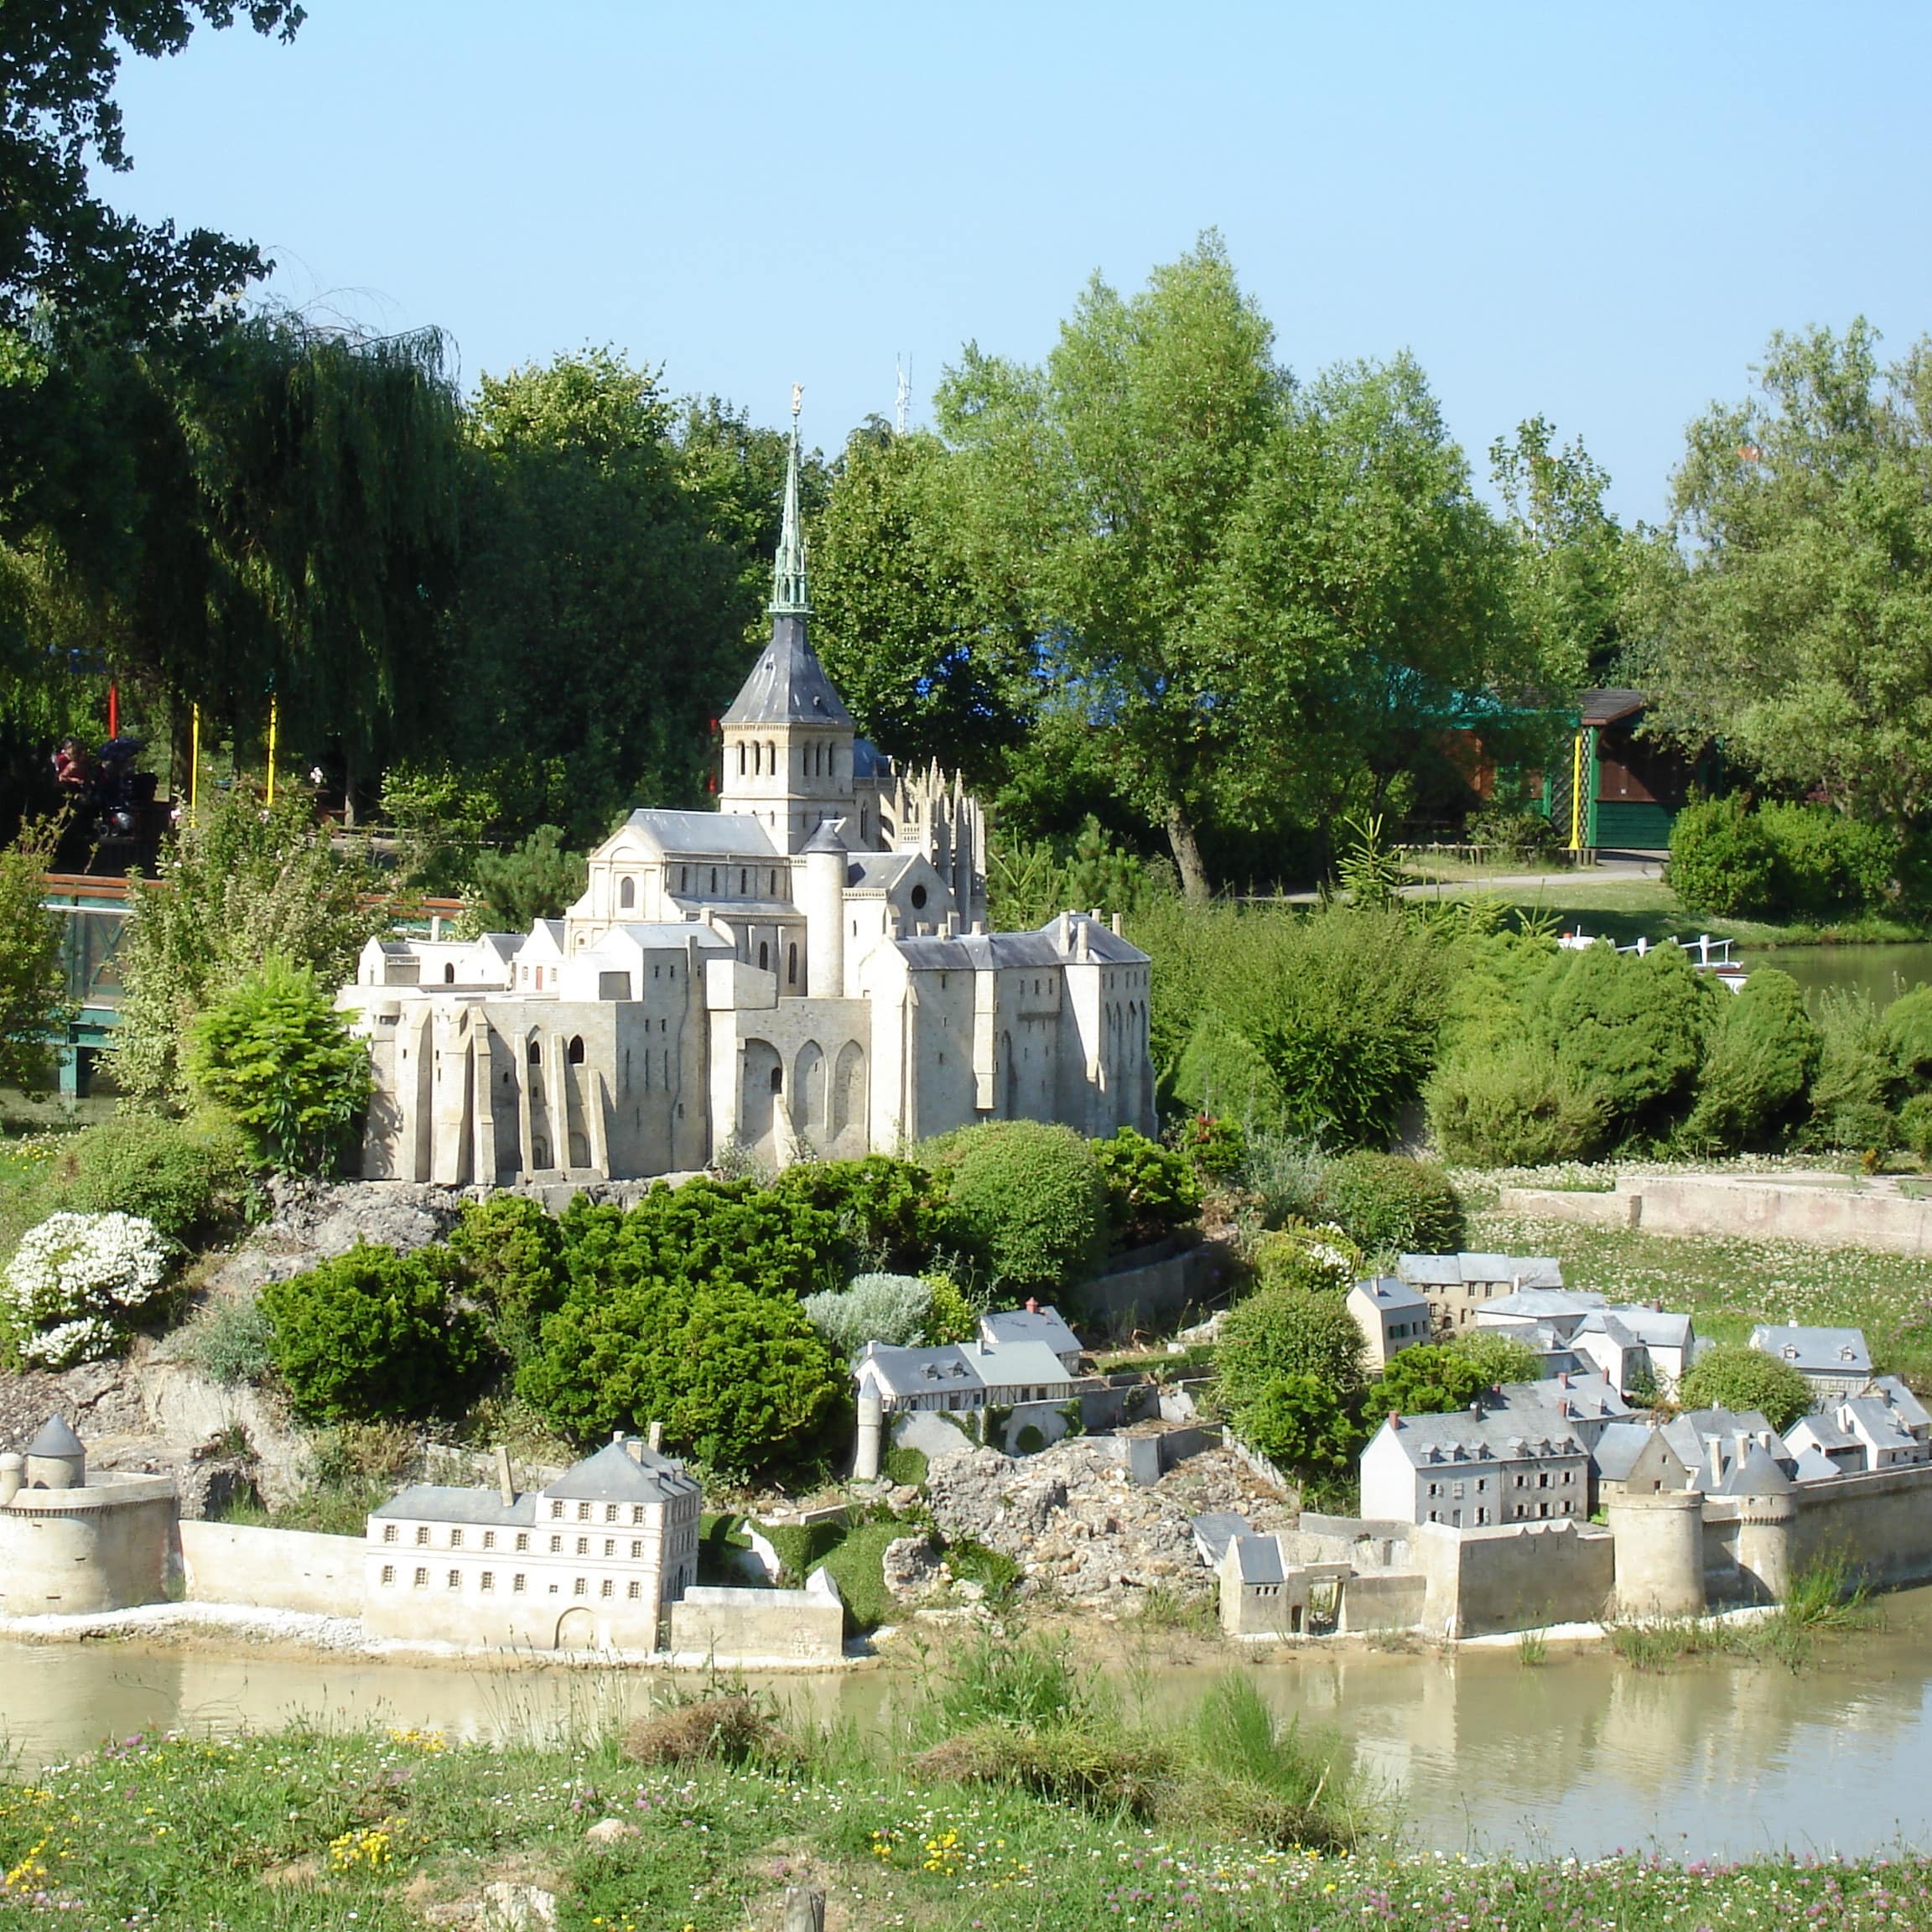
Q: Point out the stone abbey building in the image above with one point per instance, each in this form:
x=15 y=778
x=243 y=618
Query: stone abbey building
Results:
x=806 y=970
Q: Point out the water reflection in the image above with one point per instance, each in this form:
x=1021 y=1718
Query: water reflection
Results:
x=1581 y=1754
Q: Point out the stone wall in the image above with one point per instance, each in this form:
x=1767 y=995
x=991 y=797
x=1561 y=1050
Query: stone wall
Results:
x=1391 y=1600
x=1881 y=1522
x=272 y=1569
x=726 y=1626
x=1482 y=1581
x=1756 y=1208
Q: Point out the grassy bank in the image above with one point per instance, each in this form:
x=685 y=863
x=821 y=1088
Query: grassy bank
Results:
x=1618 y=907
x=1729 y=1284
x=375 y=1829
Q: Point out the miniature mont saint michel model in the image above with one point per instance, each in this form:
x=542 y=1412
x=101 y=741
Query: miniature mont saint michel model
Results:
x=806 y=970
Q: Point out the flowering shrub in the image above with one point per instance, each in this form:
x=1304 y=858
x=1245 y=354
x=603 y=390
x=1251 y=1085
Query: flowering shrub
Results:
x=75 y=1280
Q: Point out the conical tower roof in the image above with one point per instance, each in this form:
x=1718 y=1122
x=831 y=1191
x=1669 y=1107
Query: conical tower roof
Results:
x=788 y=684
x=55 y=1439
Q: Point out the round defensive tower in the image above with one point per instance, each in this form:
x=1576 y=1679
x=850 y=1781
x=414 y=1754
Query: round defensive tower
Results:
x=871 y=1433
x=1660 y=1553
x=1766 y=1526
x=69 y=1547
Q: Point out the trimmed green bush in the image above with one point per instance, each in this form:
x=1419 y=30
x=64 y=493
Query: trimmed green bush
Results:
x=889 y=1217
x=513 y=1257
x=1858 y=1078
x=1279 y=1332
x=1627 y=1030
x=181 y=1177
x=1721 y=859
x=1520 y=1108
x=1738 y=1378
x=1299 y=1422
x=1763 y=1056
x=1151 y=1190
x=1027 y=1201
x=375 y=1334
x=1499 y=1357
x=1429 y=1380
x=1222 y=1076
x=1387 y=1204
x=1825 y=865
x=1317 y=1256
x=905 y=1466
x=738 y=1377
x=1915 y=1126
x=274 y=1054
x=1908 y=1032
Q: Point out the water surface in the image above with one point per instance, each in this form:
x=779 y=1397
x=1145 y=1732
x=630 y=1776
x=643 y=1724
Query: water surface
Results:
x=1580 y=1755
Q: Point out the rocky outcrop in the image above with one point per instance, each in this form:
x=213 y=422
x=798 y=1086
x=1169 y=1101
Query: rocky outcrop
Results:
x=1081 y=1530
x=316 y=1221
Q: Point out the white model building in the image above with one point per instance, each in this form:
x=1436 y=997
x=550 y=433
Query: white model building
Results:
x=805 y=970
x=591 y=1560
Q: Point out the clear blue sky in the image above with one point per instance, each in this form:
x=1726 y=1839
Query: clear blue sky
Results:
x=1597 y=212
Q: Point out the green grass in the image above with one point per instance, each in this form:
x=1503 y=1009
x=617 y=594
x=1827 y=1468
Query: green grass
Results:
x=1727 y=1284
x=309 y=1829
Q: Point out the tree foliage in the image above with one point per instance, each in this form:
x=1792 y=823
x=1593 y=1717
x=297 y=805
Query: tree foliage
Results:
x=1281 y=1331
x=59 y=243
x=1428 y=1379
x=1789 y=603
x=1734 y=1377
x=374 y=1334
x=1027 y=1201
x=34 y=1004
x=238 y=885
x=274 y=1055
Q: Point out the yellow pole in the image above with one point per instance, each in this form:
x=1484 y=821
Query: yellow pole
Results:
x=1575 y=792
x=270 y=747
x=195 y=758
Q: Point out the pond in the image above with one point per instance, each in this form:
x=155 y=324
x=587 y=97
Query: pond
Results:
x=1581 y=1754
x=1882 y=973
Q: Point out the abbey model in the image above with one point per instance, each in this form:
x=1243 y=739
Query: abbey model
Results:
x=805 y=971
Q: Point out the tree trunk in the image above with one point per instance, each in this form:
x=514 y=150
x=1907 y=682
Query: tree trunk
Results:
x=1186 y=849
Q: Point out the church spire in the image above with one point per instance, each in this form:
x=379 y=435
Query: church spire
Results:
x=788 y=598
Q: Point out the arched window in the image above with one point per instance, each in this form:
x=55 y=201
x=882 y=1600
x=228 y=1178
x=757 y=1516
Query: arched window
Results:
x=771 y=757
x=777 y=1079
x=449 y=973
x=713 y=878
x=535 y=1052
x=576 y=1050
x=740 y=757
x=764 y=957
x=744 y=882
x=626 y=891
x=792 y=965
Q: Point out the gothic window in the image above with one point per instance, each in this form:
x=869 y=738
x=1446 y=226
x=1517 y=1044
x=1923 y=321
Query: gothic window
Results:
x=626 y=891
x=744 y=882
x=535 y=1052
x=576 y=1050
x=449 y=973
x=764 y=957
x=792 y=965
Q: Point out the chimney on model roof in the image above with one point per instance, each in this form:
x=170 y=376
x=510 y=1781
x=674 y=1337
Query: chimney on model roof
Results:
x=505 y=1487
x=654 y=1433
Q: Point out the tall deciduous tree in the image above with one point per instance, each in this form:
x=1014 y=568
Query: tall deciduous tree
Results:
x=61 y=244
x=927 y=642
x=1790 y=605
x=602 y=619
x=1110 y=480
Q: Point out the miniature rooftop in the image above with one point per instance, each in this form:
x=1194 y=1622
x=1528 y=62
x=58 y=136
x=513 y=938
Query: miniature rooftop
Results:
x=1495 y=1436
x=1387 y=1292
x=1452 y=1270
x=621 y=1471
x=1816 y=1351
x=1033 y=1323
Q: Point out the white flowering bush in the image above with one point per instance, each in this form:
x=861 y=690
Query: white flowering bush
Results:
x=74 y=1282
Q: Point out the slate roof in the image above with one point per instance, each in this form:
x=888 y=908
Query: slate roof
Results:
x=1544 y=1303
x=1911 y=1410
x=1755 y=1475
x=1429 y=1441
x=1618 y=1447
x=663 y=935
x=826 y=837
x=441 y=1503
x=985 y=952
x=788 y=685
x=1823 y=1430
x=1874 y=1419
x=878 y=871
x=1653 y=1327
x=55 y=1439
x=923 y=1371
x=1016 y=1364
x=1816 y=1351
x=1591 y=1397
x=1450 y=1270
x=1214 y=1530
x=734 y=833
x=869 y=761
x=1004 y=1325
x=1814 y=1466
x=1259 y=1559
x=614 y=1475
x=1391 y=1295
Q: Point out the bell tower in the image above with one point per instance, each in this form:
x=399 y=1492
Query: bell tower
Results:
x=787 y=737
